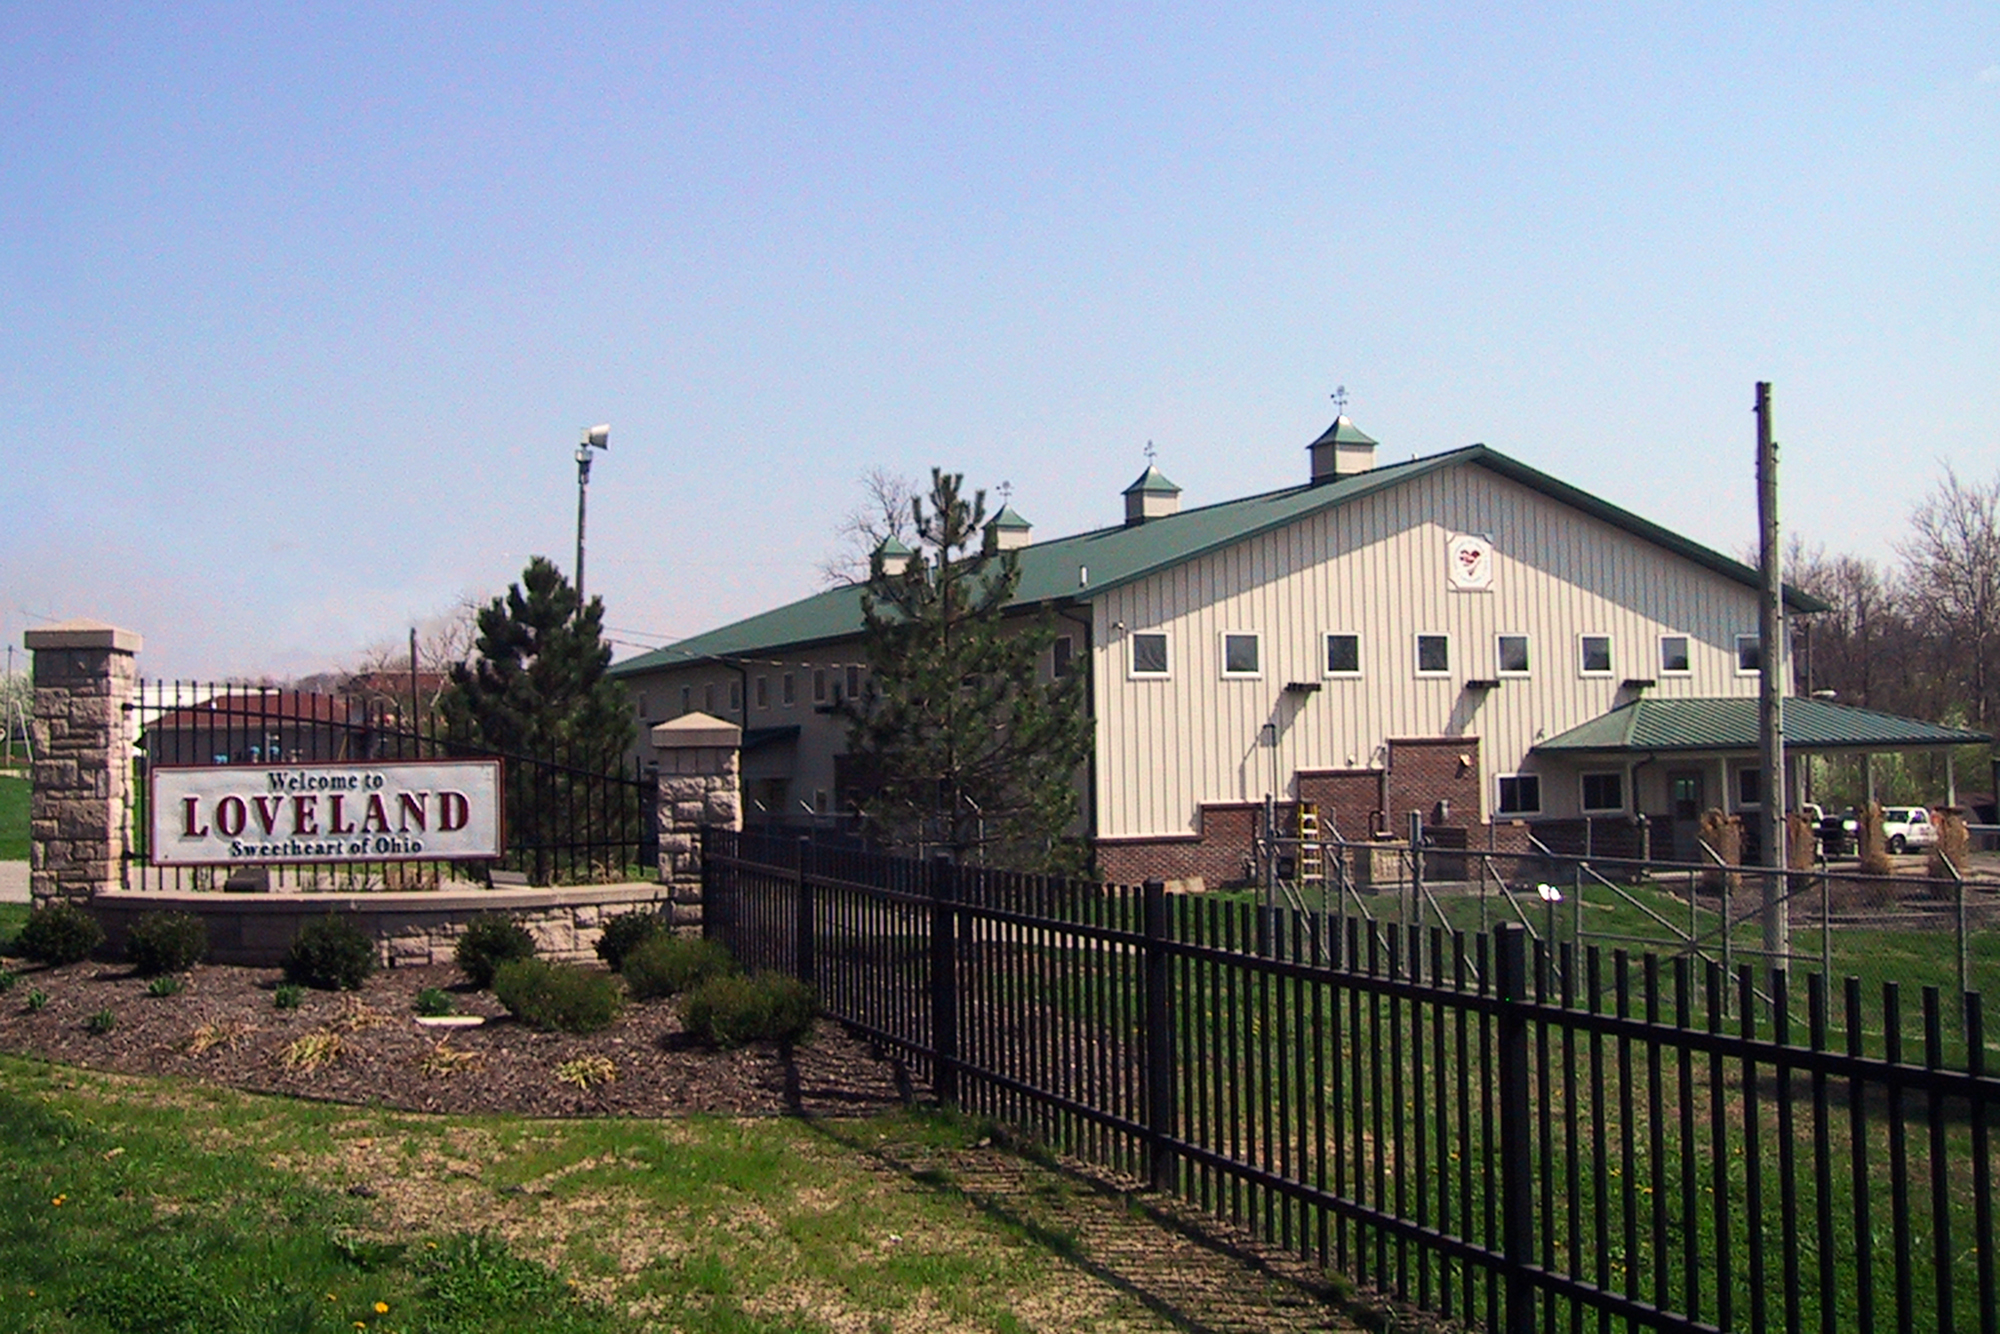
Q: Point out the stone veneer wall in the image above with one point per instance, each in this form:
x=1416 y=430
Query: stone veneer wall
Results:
x=85 y=674
x=700 y=783
x=409 y=928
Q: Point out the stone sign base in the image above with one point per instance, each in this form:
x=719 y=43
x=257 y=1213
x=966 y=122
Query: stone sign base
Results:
x=410 y=929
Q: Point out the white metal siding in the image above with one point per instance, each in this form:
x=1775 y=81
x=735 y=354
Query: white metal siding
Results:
x=1377 y=567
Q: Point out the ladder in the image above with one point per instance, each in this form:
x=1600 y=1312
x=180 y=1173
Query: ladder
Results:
x=1311 y=853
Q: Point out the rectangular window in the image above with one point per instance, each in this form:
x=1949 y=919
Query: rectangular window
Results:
x=687 y=699
x=1433 y=655
x=819 y=801
x=819 y=685
x=1749 y=788
x=642 y=705
x=736 y=696
x=1604 y=792
x=1059 y=656
x=1520 y=794
x=763 y=692
x=1239 y=655
x=791 y=688
x=1749 y=655
x=1594 y=655
x=1343 y=655
x=1674 y=655
x=1513 y=655
x=708 y=698
x=1149 y=655
x=853 y=680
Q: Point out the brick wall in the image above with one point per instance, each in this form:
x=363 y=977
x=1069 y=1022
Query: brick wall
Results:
x=1350 y=798
x=1216 y=852
x=1424 y=771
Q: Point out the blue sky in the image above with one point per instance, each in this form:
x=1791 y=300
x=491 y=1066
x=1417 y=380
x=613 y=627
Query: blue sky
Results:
x=301 y=307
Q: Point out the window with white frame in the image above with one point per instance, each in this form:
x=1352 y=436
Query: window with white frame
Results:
x=791 y=689
x=1149 y=653
x=736 y=696
x=1749 y=655
x=642 y=705
x=1433 y=655
x=1520 y=794
x=1593 y=655
x=1343 y=654
x=1511 y=653
x=1674 y=659
x=687 y=700
x=854 y=680
x=1240 y=651
x=763 y=692
x=1059 y=656
x=1604 y=792
x=1749 y=789
x=819 y=685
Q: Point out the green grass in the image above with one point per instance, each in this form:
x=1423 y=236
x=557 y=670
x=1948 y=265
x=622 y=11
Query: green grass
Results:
x=13 y=818
x=13 y=916
x=157 y=1205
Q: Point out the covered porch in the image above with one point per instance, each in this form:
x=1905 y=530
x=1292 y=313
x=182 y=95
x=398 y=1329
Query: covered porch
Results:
x=1660 y=763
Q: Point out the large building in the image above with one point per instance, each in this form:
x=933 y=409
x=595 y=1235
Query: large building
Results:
x=1459 y=636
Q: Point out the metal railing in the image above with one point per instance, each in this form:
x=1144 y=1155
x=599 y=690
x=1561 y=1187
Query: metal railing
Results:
x=1520 y=1133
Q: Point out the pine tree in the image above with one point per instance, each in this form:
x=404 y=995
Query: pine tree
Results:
x=959 y=739
x=537 y=691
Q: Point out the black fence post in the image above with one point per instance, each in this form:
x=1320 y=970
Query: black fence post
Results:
x=1517 y=1169
x=944 y=981
x=1161 y=1160
x=711 y=892
x=803 y=961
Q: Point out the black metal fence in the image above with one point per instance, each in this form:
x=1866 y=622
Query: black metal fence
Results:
x=566 y=820
x=1510 y=1133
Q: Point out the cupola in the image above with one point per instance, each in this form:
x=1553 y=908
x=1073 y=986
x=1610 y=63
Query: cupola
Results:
x=1151 y=497
x=1342 y=451
x=1008 y=531
x=890 y=558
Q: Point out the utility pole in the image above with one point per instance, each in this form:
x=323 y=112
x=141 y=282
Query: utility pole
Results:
x=1771 y=691
x=594 y=437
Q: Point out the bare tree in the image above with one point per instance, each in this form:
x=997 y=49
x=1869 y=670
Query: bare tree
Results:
x=382 y=672
x=1952 y=559
x=885 y=512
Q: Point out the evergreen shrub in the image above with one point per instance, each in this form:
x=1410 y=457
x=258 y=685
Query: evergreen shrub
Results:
x=166 y=942
x=490 y=940
x=735 y=1010
x=558 y=996
x=60 y=932
x=625 y=933
x=670 y=965
x=330 y=953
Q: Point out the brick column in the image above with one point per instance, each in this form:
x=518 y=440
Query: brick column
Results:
x=85 y=675
x=700 y=784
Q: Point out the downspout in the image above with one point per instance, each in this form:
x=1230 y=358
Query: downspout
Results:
x=1090 y=712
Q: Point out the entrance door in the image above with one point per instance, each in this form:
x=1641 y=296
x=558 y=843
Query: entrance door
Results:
x=1687 y=798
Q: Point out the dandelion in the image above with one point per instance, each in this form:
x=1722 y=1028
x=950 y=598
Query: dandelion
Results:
x=381 y=1308
x=59 y=1201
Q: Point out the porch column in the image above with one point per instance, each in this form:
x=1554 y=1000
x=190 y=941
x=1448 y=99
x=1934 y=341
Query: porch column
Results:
x=85 y=673
x=700 y=783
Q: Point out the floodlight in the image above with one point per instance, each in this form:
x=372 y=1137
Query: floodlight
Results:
x=598 y=436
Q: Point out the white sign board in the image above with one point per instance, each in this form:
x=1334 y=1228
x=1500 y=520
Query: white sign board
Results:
x=391 y=810
x=1469 y=562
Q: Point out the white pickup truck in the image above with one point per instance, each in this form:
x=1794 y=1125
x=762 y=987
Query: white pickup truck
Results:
x=1906 y=827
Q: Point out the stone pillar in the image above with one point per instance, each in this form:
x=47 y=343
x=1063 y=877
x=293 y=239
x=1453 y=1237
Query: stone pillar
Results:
x=85 y=675
x=701 y=772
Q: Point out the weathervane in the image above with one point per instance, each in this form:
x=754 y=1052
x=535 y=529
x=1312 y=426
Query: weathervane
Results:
x=1149 y=454
x=1339 y=400
x=1006 y=490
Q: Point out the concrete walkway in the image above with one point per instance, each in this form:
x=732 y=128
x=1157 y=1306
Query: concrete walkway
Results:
x=13 y=882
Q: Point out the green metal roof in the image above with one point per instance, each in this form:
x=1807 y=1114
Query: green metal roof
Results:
x=892 y=546
x=1152 y=482
x=1075 y=569
x=1649 y=725
x=1343 y=432
x=1008 y=518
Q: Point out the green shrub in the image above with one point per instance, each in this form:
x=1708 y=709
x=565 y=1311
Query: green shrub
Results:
x=733 y=1010
x=556 y=995
x=288 y=996
x=37 y=999
x=671 y=965
x=330 y=953
x=166 y=984
x=625 y=933
x=434 y=1001
x=490 y=940
x=61 y=932
x=167 y=942
x=101 y=1022
x=7 y=980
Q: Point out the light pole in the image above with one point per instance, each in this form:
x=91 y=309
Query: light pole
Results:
x=594 y=437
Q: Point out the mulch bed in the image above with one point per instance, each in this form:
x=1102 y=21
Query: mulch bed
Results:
x=512 y=1068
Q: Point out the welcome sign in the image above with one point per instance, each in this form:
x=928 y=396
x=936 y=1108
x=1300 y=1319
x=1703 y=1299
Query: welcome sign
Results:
x=216 y=815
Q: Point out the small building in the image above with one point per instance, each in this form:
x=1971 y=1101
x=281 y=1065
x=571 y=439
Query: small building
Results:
x=1459 y=636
